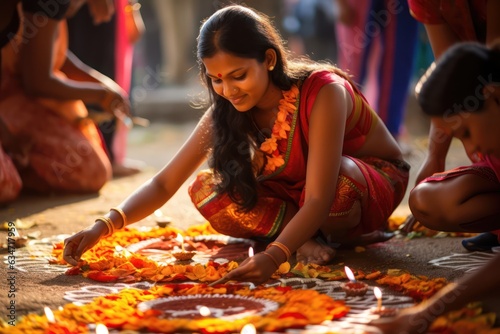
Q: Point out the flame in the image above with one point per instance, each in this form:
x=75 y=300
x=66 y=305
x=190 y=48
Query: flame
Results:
x=349 y=274
x=101 y=329
x=248 y=329
x=180 y=238
x=250 y=252
x=205 y=311
x=378 y=293
x=158 y=213
x=119 y=250
x=49 y=314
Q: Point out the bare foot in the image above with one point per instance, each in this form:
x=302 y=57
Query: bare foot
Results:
x=313 y=252
x=367 y=239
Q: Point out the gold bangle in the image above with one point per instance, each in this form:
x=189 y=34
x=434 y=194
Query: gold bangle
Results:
x=272 y=258
x=283 y=248
x=122 y=214
x=109 y=224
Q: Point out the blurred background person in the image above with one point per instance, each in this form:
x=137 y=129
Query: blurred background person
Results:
x=42 y=102
x=311 y=26
x=448 y=23
x=377 y=41
x=115 y=42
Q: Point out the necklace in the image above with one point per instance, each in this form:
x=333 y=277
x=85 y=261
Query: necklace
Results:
x=281 y=128
x=261 y=136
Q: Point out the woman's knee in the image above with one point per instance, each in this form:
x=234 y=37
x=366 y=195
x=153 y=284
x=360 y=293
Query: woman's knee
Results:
x=87 y=175
x=429 y=206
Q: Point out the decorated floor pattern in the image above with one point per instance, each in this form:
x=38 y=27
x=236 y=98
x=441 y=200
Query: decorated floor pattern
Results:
x=36 y=257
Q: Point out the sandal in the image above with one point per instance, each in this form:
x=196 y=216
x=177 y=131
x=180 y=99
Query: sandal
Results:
x=483 y=242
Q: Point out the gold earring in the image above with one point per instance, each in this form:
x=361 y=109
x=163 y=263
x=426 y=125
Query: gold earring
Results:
x=271 y=68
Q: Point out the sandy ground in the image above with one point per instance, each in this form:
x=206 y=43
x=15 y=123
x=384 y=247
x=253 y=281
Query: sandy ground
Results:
x=54 y=215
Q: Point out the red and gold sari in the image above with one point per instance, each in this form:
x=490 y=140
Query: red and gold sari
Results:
x=386 y=181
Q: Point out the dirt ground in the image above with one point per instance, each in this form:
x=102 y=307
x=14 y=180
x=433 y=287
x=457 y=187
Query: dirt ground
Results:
x=155 y=145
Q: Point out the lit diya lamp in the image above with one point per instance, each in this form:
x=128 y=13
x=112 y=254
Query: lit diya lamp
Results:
x=101 y=329
x=205 y=311
x=353 y=288
x=248 y=329
x=250 y=252
x=19 y=241
x=54 y=327
x=380 y=310
x=182 y=255
x=51 y=319
x=161 y=220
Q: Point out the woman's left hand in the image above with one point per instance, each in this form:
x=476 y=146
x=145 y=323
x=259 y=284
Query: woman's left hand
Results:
x=256 y=269
x=410 y=321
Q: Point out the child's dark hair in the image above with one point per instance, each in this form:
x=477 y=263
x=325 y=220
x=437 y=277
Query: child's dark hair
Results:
x=245 y=33
x=455 y=83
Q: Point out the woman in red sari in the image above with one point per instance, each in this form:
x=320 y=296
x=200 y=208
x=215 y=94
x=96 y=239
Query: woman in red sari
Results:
x=464 y=105
x=447 y=23
x=43 y=88
x=294 y=152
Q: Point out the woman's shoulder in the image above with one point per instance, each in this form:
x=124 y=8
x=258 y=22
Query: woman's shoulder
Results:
x=318 y=79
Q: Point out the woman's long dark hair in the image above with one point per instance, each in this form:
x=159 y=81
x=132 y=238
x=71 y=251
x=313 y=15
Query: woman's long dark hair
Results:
x=455 y=83
x=245 y=33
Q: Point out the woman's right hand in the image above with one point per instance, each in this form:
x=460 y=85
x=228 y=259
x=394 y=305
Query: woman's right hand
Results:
x=411 y=321
x=79 y=243
x=116 y=103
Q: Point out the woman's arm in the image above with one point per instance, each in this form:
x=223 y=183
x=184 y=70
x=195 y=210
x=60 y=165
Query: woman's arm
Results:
x=435 y=161
x=441 y=38
x=76 y=70
x=478 y=285
x=39 y=78
x=151 y=195
x=326 y=138
x=36 y=61
x=164 y=185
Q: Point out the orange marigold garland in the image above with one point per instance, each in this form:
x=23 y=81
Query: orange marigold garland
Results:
x=109 y=260
x=281 y=128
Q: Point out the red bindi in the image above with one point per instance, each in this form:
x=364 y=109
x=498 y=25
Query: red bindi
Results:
x=219 y=75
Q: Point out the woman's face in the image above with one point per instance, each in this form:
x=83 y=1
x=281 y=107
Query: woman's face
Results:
x=242 y=81
x=479 y=131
